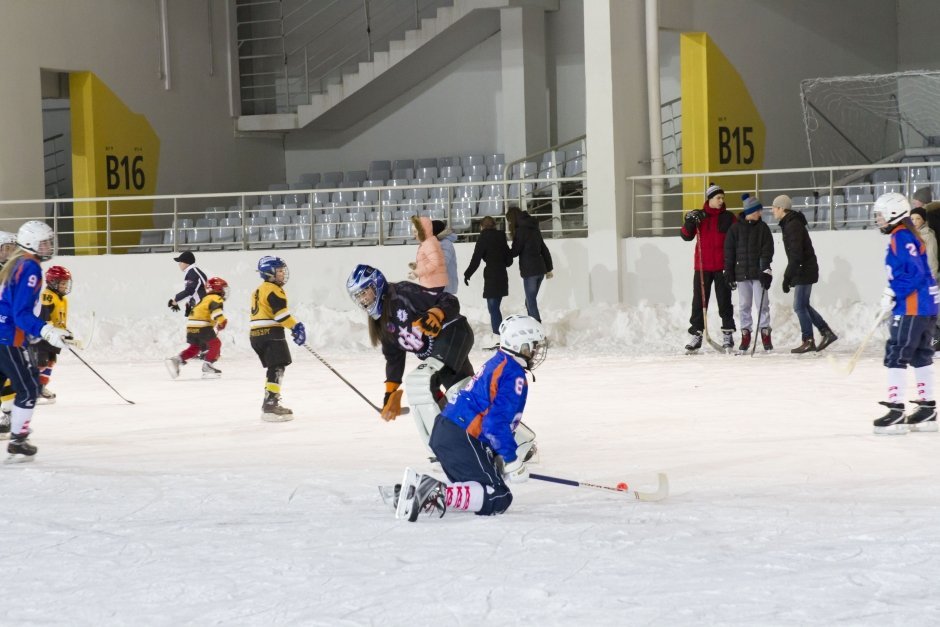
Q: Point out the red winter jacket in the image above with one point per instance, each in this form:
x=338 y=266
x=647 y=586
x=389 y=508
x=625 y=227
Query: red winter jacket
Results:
x=712 y=231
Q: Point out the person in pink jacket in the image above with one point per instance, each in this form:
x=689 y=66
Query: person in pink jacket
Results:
x=429 y=268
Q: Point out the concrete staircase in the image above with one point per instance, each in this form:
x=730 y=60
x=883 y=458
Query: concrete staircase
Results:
x=439 y=41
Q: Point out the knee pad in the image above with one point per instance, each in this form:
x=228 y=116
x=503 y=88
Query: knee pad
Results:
x=424 y=407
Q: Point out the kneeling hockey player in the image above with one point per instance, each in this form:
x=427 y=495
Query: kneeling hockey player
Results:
x=205 y=321
x=911 y=300
x=269 y=317
x=473 y=435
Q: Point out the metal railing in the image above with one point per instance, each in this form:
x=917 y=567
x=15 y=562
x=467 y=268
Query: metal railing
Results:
x=285 y=58
x=844 y=200
x=334 y=216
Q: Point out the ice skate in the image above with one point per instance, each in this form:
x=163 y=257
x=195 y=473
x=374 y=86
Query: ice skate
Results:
x=173 y=365
x=5 y=425
x=389 y=494
x=209 y=371
x=924 y=417
x=808 y=346
x=273 y=411
x=745 y=341
x=765 y=339
x=828 y=337
x=891 y=423
x=46 y=396
x=694 y=344
x=727 y=341
x=420 y=493
x=20 y=450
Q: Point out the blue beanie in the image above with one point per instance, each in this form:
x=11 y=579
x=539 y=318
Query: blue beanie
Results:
x=751 y=204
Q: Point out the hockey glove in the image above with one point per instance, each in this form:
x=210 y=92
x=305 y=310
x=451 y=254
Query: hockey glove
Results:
x=391 y=404
x=729 y=279
x=696 y=216
x=430 y=322
x=221 y=325
x=765 y=278
x=549 y=274
x=515 y=472
x=172 y=305
x=299 y=333
x=55 y=336
x=887 y=301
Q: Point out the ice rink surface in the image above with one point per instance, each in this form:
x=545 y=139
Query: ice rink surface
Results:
x=185 y=508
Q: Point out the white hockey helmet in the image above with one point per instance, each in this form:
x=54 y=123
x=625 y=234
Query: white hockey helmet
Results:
x=523 y=337
x=37 y=237
x=891 y=208
x=7 y=245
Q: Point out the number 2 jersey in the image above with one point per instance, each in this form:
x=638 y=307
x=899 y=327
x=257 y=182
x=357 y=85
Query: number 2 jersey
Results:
x=408 y=302
x=490 y=406
x=915 y=291
x=19 y=303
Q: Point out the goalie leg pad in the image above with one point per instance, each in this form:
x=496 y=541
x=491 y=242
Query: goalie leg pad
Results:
x=526 y=448
x=424 y=407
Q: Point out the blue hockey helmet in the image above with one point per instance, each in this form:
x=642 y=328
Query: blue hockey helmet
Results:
x=365 y=286
x=268 y=267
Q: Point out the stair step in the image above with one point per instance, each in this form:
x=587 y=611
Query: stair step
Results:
x=380 y=63
x=335 y=93
x=397 y=50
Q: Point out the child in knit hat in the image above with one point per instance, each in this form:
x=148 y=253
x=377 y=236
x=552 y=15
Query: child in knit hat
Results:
x=749 y=249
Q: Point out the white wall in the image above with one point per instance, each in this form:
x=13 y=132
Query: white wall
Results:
x=918 y=22
x=118 y=41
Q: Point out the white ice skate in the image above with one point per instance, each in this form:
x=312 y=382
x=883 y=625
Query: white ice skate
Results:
x=209 y=371
x=420 y=493
x=46 y=396
x=173 y=365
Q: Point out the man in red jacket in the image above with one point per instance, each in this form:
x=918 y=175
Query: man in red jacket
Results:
x=710 y=224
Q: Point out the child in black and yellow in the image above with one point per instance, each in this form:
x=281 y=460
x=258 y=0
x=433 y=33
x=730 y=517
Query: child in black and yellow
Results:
x=269 y=317
x=205 y=321
x=55 y=311
x=7 y=393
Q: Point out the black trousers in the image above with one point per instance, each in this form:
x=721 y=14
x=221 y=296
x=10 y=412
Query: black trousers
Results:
x=722 y=295
x=452 y=347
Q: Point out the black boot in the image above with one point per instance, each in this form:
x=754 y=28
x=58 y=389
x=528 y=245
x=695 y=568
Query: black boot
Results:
x=20 y=449
x=924 y=417
x=828 y=337
x=273 y=411
x=891 y=423
x=808 y=346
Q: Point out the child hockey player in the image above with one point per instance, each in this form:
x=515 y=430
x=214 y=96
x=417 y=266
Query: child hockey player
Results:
x=475 y=427
x=911 y=298
x=205 y=321
x=7 y=246
x=749 y=249
x=407 y=318
x=55 y=311
x=20 y=284
x=269 y=317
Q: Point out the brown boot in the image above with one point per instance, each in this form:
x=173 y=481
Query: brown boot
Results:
x=808 y=346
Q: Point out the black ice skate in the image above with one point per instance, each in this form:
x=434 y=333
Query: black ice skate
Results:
x=727 y=341
x=209 y=371
x=828 y=337
x=765 y=339
x=20 y=450
x=891 y=423
x=173 y=365
x=695 y=343
x=273 y=411
x=5 y=425
x=46 y=396
x=808 y=346
x=924 y=417
x=745 y=341
x=420 y=493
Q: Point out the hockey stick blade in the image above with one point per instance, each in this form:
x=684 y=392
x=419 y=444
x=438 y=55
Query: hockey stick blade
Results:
x=662 y=488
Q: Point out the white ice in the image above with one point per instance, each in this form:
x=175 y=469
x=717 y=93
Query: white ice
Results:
x=185 y=508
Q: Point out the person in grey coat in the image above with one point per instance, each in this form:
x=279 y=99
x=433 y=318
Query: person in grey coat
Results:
x=447 y=238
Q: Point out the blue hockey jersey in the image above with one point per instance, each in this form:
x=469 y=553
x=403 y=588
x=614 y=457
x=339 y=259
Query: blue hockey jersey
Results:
x=19 y=303
x=491 y=404
x=915 y=291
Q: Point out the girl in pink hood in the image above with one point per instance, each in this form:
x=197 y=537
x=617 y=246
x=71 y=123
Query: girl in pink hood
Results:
x=429 y=268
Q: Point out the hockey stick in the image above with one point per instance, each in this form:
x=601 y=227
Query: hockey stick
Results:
x=861 y=347
x=701 y=282
x=404 y=410
x=79 y=357
x=662 y=490
x=760 y=308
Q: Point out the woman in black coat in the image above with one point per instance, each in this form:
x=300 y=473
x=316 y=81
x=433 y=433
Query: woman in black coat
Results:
x=492 y=249
x=535 y=262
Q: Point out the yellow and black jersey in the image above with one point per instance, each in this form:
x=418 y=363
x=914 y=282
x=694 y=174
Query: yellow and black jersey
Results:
x=207 y=312
x=55 y=309
x=269 y=307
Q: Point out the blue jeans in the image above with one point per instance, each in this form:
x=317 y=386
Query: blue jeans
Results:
x=496 y=316
x=530 y=285
x=808 y=316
